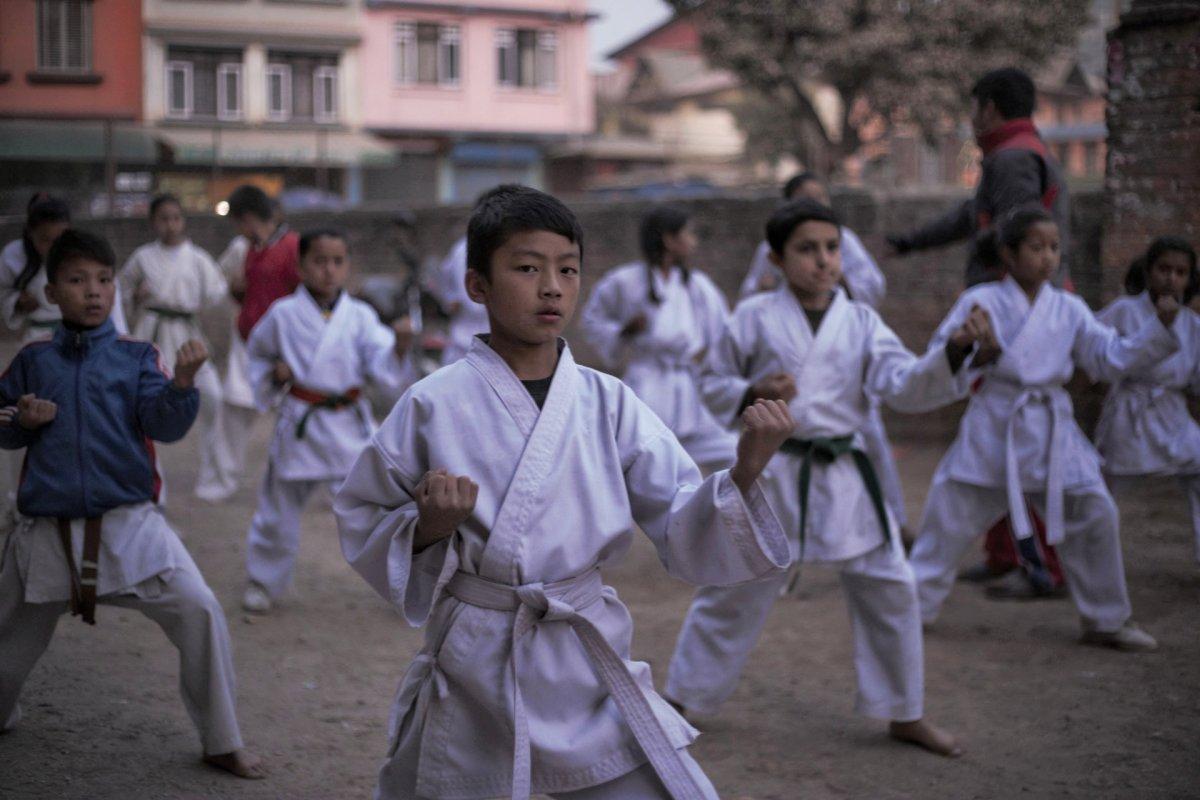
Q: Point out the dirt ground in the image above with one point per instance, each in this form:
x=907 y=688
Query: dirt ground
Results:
x=1041 y=716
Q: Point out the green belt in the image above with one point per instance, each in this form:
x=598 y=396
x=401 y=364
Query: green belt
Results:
x=826 y=450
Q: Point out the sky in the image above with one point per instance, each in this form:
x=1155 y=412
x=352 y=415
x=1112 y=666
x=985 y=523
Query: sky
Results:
x=621 y=21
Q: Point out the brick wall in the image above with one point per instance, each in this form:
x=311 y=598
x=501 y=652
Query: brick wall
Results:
x=1153 y=171
x=921 y=288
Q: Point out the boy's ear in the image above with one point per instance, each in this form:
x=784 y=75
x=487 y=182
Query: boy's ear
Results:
x=50 y=293
x=477 y=286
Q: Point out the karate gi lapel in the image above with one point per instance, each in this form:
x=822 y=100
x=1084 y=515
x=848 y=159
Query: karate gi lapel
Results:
x=543 y=431
x=1028 y=340
x=328 y=368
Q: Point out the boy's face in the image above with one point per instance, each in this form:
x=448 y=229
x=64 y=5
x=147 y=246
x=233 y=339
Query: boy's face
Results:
x=984 y=116
x=255 y=229
x=325 y=267
x=168 y=223
x=44 y=235
x=533 y=287
x=84 y=291
x=1168 y=275
x=811 y=259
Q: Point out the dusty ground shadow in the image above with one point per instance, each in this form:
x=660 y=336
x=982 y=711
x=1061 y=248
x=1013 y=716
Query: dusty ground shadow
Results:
x=1041 y=715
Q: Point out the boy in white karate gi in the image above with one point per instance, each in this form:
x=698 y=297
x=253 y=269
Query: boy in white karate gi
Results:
x=1145 y=427
x=86 y=405
x=170 y=280
x=484 y=509
x=658 y=317
x=807 y=343
x=1018 y=436
x=865 y=282
x=309 y=357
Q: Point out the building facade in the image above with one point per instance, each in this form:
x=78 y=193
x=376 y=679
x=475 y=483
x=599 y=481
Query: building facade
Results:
x=471 y=94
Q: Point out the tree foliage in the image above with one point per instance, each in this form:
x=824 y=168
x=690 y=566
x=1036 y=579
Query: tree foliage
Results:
x=889 y=60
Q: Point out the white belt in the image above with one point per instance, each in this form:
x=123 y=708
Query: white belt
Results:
x=1060 y=414
x=538 y=604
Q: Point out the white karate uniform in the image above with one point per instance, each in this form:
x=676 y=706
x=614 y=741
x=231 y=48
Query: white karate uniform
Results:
x=239 y=413
x=451 y=289
x=37 y=324
x=174 y=281
x=867 y=284
x=661 y=362
x=143 y=566
x=1019 y=436
x=331 y=357
x=1145 y=427
x=515 y=593
x=852 y=357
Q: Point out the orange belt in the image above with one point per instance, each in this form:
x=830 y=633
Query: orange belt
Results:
x=318 y=400
x=83 y=582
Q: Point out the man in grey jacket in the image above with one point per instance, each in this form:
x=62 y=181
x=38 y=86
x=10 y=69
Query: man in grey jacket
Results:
x=1017 y=170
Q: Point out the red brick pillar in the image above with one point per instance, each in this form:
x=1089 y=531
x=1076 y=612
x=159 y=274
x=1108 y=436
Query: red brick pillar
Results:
x=1152 y=185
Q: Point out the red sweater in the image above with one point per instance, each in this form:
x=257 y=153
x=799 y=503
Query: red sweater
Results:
x=272 y=272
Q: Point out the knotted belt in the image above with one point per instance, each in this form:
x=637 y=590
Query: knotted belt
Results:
x=83 y=581
x=167 y=313
x=1059 y=404
x=541 y=604
x=317 y=401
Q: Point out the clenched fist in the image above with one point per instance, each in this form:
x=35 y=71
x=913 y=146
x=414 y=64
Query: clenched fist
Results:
x=1167 y=307
x=33 y=413
x=188 y=360
x=281 y=373
x=635 y=326
x=765 y=426
x=778 y=386
x=444 y=501
x=976 y=328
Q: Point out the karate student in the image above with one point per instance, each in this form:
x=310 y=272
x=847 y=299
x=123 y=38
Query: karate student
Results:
x=309 y=357
x=238 y=413
x=807 y=343
x=171 y=280
x=485 y=507
x=467 y=318
x=660 y=316
x=86 y=404
x=864 y=282
x=1018 y=436
x=1145 y=427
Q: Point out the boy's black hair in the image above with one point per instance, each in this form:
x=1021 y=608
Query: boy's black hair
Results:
x=792 y=215
x=796 y=181
x=251 y=200
x=657 y=223
x=42 y=208
x=1011 y=89
x=161 y=199
x=310 y=236
x=511 y=208
x=1135 y=278
x=78 y=244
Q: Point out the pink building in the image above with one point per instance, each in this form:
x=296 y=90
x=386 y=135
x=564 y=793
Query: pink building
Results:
x=471 y=93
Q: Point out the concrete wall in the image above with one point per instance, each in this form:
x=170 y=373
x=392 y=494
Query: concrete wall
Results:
x=921 y=288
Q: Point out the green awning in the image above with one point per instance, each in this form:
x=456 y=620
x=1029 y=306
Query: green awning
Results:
x=73 y=140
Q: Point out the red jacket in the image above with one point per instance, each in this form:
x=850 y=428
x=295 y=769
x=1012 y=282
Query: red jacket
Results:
x=272 y=272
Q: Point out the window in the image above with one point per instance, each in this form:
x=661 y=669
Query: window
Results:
x=279 y=92
x=302 y=87
x=204 y=83
x=64 y=33
x=229 y=91
x=526 y=58
x=427 y=53
x=179 y=89
x=325 y=94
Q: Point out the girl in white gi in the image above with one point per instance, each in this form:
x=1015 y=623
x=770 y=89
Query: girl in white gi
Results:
x=467 y=318
x=1019 y=437
x=169 y=281
x=660 y=317
x=865 y=282
x=807 y=343
x=486 y=506
x=1145 y=427
x=309 y=356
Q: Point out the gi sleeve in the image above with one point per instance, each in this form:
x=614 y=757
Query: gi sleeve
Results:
x=377 y=518
x=722 y=379
x=761 y=268
x=165 y=412
x=903 y=381
x=262 y=351
x=12 y=264
x=213 y=285
x=603 y=318
x=1106 y=355
x=377 y=351
x=864 y=277
x=704 y=530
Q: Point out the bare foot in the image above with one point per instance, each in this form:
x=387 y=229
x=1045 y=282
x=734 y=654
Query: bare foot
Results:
x=241 y=763
x=924 y=734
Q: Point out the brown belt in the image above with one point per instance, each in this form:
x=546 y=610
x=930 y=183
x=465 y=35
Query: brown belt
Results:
x=83 y=581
